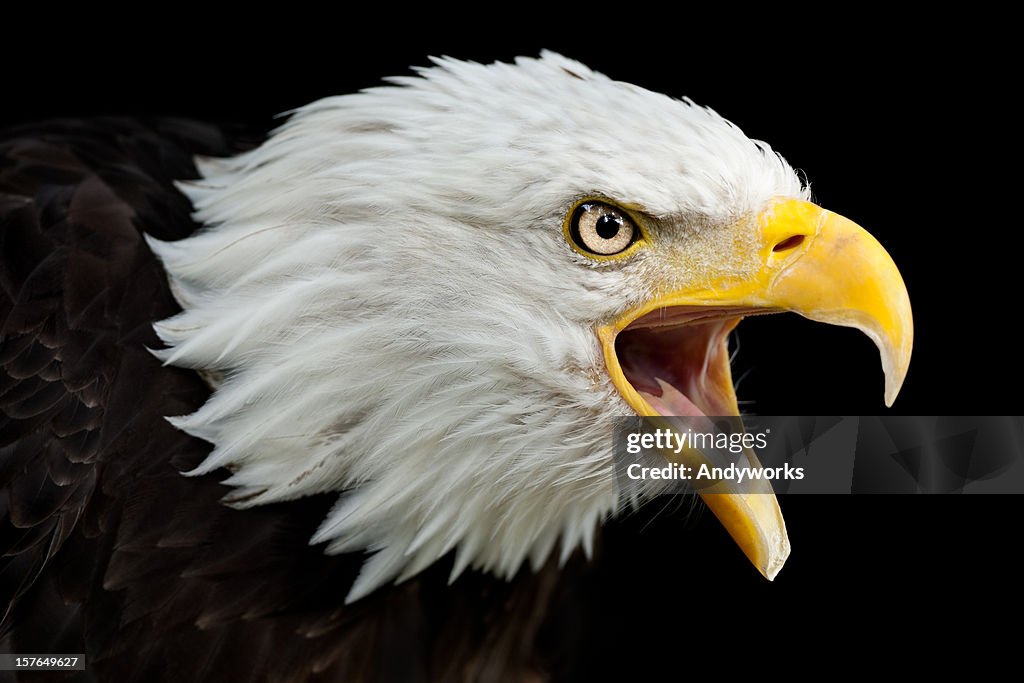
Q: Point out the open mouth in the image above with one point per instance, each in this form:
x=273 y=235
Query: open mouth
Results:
x=676 y=359
x=673 y=361
x=669 y=356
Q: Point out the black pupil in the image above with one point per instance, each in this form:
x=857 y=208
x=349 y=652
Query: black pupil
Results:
x=608 y=226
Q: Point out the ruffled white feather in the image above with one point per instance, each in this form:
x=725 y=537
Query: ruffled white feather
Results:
x=385 y=289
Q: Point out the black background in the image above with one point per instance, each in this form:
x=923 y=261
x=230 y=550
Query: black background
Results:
x=905 y=130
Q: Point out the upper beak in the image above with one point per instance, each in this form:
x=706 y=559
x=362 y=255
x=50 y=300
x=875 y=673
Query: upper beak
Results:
x=815 y=263
x=838 y=274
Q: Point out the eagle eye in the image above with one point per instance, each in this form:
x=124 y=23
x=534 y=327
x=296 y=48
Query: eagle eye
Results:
x=602 y=229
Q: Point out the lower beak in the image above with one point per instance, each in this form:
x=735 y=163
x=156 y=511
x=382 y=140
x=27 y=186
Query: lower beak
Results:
x=809 y=261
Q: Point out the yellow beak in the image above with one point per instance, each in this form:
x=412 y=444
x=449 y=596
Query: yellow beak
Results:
x=809 y=261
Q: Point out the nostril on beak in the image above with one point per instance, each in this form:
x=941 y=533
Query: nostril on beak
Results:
x=791 y=242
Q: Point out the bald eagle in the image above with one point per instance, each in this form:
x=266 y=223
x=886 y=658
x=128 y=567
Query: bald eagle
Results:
x=265 y=401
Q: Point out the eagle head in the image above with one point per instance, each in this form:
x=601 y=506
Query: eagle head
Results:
x=431 y=297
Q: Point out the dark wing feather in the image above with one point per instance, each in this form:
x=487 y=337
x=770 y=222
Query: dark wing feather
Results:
x=107 y=549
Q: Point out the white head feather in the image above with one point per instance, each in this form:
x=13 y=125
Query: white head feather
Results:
x=385 y=289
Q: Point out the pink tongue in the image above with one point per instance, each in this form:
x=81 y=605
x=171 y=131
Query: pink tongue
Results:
x=671 y=402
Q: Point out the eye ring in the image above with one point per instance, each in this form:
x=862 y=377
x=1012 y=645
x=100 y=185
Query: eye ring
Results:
x=602 y=230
